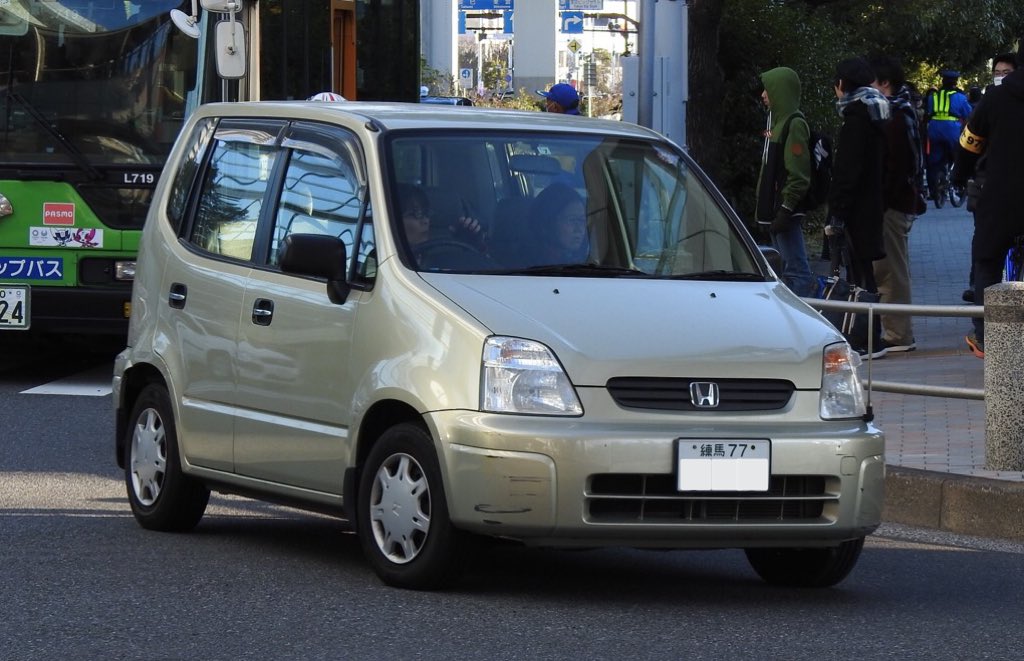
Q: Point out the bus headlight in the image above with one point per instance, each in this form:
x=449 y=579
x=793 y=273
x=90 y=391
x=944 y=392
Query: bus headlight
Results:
x=124 y=270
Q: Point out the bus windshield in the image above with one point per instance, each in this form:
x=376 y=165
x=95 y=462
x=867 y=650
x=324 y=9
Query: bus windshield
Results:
x=86 y=83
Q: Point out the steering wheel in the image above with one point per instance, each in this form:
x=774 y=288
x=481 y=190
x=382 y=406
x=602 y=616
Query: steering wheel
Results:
x=434 y=245
x=432 y=253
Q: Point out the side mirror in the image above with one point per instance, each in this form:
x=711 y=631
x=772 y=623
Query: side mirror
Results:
x=229 y=38
x=319 y=256
x=229 y=45
x=774 y=258
x=221 y=6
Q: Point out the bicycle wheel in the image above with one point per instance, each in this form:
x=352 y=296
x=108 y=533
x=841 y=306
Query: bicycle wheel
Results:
x=956 y=195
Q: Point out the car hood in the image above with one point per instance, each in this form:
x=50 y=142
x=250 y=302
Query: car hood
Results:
x=601 y=328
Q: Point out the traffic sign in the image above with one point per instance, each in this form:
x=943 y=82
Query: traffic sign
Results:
x=466 y=76
x=581 y=5
x=486 y=5
x=572 y=22
x=575 y=45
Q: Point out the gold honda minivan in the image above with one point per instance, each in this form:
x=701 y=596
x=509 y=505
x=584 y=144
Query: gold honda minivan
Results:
x=441 y=324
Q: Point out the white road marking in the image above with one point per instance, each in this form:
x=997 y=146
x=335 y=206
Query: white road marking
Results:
x=91 y=383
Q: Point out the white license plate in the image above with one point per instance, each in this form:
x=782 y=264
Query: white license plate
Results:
x=14 y=305
x=722 y=465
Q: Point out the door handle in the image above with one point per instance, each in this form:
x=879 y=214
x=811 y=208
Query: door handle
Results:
x=262 y=312
x=178 y=294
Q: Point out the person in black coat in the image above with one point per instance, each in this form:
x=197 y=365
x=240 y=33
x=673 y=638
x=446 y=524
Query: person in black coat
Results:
x=995 y=131
x=855 y=201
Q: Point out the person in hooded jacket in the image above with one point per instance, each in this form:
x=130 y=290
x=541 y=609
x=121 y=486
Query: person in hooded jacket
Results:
x=995 y=131
x=785 y=176
x=856 y=202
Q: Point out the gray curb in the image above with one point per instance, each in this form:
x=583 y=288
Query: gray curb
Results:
x=959 y=504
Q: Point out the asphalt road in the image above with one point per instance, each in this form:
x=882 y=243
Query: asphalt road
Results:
x=79 y=579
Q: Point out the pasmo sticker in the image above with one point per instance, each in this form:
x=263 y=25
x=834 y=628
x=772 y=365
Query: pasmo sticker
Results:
x=58 y=213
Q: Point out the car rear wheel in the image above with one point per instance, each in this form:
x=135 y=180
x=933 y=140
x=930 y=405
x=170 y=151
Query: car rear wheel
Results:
x=402 y=514
x=161 y=496
x=810 y=568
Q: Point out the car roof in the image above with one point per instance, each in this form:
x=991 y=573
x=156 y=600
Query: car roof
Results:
x=397 y=116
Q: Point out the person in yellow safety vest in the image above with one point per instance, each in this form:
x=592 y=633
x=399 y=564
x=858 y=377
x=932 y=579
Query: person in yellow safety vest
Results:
x=948 y=109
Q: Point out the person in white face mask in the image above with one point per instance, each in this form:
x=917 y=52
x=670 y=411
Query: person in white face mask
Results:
x=1002 y=66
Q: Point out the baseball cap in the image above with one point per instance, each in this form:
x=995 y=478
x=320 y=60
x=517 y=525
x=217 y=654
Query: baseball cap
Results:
x=564 y=95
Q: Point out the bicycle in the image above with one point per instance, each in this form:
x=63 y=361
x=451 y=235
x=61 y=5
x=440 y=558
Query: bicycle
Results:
x=1013 y=267
x=945 y=191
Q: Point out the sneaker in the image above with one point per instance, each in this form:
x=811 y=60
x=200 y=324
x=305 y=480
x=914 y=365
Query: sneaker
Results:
x=899 y=346
x=977 y=346
x=879 y=352
x=968 y=296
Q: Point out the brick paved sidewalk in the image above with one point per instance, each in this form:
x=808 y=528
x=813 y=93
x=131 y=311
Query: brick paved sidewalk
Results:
x=936 y=433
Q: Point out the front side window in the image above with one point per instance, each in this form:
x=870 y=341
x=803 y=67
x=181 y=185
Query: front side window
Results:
x=232 y=193
x=561 y=204
x=323 y=194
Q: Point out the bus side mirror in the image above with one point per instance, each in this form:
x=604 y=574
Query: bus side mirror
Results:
x=229 y=38
x=230 y=48
x=221 y=6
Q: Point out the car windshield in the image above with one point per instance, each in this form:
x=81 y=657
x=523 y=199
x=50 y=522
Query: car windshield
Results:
x=557 y=204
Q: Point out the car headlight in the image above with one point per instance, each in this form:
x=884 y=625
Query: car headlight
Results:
x=841 y=393
x=523 y=376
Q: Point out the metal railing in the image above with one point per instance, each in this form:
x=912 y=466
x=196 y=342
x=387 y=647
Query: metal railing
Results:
x=872 y=309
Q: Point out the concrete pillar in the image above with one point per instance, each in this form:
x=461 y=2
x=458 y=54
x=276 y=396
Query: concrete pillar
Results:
x=1004 y=377
x=660 y=103
x=438 y=35
x=535 y=32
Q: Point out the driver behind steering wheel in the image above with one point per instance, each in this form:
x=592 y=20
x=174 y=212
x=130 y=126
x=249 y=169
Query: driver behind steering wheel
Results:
x=415 y=210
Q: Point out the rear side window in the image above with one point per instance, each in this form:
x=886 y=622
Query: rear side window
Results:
x=184 y=178
x=232 y=192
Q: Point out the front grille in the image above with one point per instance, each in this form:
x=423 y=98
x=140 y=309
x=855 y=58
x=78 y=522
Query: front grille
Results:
x=673 y=394
x=631 y=498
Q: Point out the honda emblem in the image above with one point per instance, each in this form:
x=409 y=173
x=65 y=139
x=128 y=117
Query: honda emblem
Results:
x=704 y=394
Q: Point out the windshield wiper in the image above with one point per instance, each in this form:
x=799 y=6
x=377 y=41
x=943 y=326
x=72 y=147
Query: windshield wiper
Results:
x=74 y=152
x=722 y=275
x=579 y=269
x=76 y=155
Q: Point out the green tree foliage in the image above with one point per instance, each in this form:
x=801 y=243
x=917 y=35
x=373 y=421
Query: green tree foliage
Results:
x=811 y=36
x=438 y=83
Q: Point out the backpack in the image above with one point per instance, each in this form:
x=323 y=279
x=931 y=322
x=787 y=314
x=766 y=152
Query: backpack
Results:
x=820 y=146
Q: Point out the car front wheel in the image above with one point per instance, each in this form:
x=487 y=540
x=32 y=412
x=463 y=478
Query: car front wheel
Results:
x=161 y=496
x=402 y=513
x=809 y=568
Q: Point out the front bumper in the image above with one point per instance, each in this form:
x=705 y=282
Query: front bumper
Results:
x=81 y=310
x=570 y=482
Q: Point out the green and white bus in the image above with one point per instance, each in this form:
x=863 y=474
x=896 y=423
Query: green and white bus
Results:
x=93 y=94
